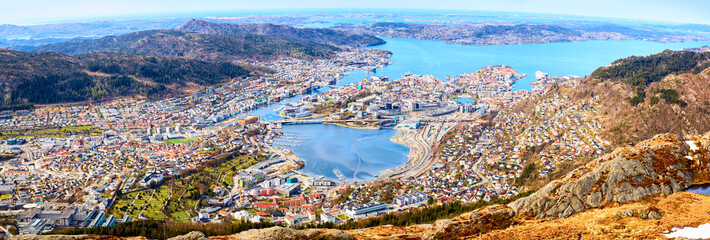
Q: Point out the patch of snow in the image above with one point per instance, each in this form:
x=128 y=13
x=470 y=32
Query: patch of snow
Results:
x=700 y=232
x=692 y=145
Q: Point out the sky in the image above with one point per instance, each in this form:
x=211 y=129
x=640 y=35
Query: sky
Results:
x=23 y=12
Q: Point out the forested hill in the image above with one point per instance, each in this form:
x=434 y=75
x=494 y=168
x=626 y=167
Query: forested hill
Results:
x=640 y=97
x=641 y=71
x=41 y=78
x=172 y=43
x=325 y=36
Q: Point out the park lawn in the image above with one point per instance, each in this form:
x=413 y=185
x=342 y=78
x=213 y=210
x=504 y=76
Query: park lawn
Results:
x=177 y=216
x=119 y=206
x=229 y=168
x=229 y=178
x=157 y=202
x=76 y=128
x=133 y=214
x=5 y=196
x=176 y=206
x=162 y=193
x=126 y=201
x=52 y=132
x=154 y=208
x=153 y=214
x=181 y=140
x=188 y=203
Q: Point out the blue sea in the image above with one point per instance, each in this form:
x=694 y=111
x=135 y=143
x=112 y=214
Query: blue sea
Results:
x=357 y=153
x=363 y=154
x=328 y=147
x=703 y=189
x=428 y=57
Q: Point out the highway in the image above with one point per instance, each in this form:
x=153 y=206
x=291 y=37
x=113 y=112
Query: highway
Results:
x=426 y=141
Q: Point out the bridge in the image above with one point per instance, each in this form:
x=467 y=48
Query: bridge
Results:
x=294 y=122
x=321 y=84
x=316 y=121
x=452 y=120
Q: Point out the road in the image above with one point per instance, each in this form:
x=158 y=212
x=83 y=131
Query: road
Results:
x=426 y=140
x=6 y=232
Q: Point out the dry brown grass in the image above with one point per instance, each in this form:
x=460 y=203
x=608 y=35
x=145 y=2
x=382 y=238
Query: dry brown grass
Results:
x=678 y=210
x=626 y=124
x=390 y=232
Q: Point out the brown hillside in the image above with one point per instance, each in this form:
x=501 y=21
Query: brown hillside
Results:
x=625 y=124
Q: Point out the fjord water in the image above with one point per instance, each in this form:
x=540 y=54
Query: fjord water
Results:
x=428 y=57
x=325 y=148
x=358 y=154
x=702 y=189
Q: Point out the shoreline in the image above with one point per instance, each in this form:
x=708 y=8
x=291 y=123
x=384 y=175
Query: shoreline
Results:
x=353 y=127
x=404 y=137
x=294 y=157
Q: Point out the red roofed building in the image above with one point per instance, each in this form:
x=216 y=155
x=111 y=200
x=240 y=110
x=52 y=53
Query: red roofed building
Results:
x=301 y=200
x=265 y=206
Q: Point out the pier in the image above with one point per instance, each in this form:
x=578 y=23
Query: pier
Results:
x=340 y=176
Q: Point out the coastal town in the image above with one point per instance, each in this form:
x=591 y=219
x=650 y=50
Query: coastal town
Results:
x=498 y=33
x=354 y=120
x=210 y=156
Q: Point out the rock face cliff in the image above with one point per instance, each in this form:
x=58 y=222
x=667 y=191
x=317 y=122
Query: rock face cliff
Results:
x=663 y=165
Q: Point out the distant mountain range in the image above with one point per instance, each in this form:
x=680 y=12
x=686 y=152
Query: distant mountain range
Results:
x=319 y=35
x=700 y=49
x=157 y=63
x=220 y=41
x=22 y=37
x=172 y=43
x=48 y=77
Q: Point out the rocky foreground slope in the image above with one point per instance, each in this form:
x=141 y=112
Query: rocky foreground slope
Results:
x=634 y=192
x=663 y=165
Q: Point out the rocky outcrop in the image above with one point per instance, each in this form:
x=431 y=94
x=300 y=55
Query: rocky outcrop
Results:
x=278 y=233
x=643 y=213
x=72 y=237
x=194 y=235
x=47 y=237
x=469 y=224
x=662 y=165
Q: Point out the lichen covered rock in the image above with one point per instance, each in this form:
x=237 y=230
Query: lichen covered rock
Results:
x=663 y=165
x=278 y=233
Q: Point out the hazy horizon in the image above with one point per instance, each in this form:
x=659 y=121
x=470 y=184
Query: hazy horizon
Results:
x=51 y=12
